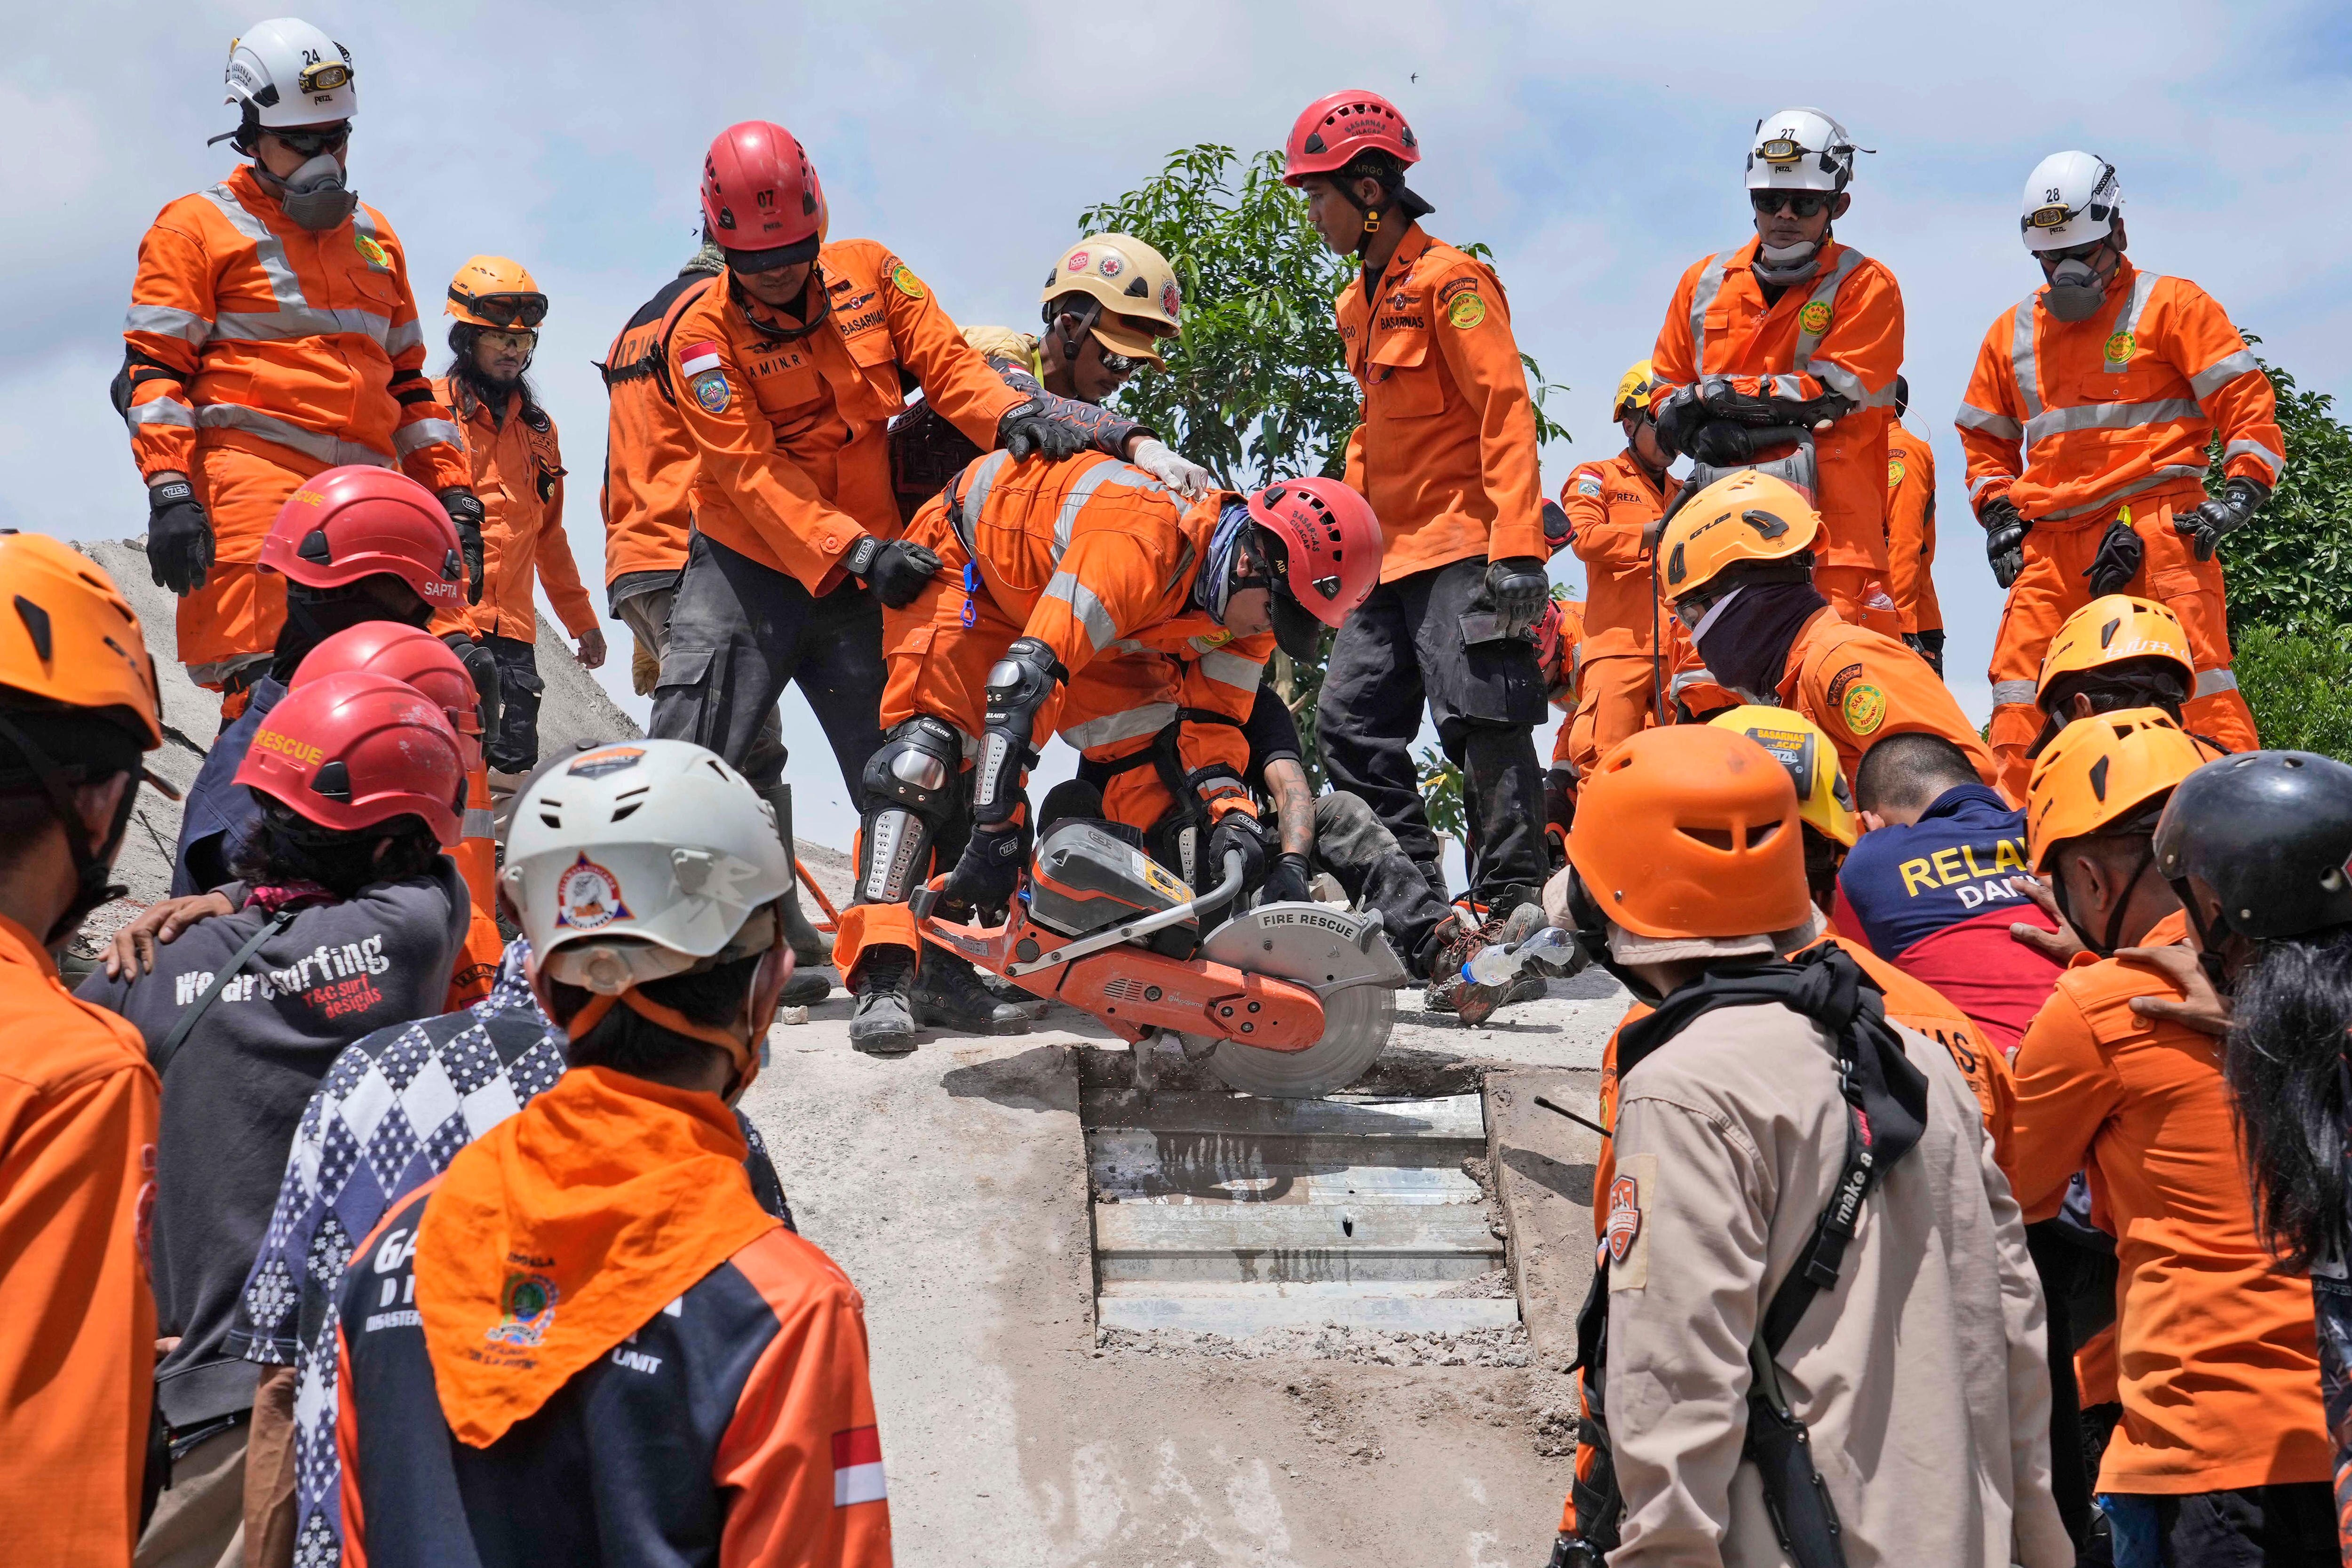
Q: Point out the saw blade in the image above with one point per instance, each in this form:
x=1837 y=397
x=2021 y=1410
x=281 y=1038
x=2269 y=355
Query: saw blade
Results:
x=1345 y=959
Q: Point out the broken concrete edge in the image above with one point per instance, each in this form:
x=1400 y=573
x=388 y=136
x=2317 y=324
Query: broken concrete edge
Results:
x=1542 y=1168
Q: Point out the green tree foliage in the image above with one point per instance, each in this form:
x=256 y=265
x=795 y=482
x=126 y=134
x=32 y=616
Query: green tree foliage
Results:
x=1441 y=792
x=2291 y=568
x=2300 y=687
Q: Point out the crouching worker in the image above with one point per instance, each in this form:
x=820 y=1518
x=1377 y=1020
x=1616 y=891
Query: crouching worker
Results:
x=1812 y=1271
x=588 y=1333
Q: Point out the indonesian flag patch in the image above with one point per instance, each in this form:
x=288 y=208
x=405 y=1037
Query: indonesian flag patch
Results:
x=700 y=357
x=857 y=1466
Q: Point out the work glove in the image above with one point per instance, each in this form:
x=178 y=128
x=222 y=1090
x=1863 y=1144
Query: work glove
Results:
x=2005 y=532
x=1186 y=478
x=1287 y=881
x=990 y=868
x=1559 y=528
x=2118 y=562
x=1679 y=418
x=1237 y=830
x=464 y=509
x=897 y=571
x=1518 y=586
x=482 y=668
x=179 y=537
x=1559 y=811
x=1033 y=428
x=2222 y=516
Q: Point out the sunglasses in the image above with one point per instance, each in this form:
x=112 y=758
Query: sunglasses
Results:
x=311 y=144
x=2084 y=252
x=1804 y=204
x=512 y=310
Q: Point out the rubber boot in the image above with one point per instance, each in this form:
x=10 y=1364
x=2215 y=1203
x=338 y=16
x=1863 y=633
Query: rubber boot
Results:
x=811 y=946
x=883 y=1024
x=947 y=994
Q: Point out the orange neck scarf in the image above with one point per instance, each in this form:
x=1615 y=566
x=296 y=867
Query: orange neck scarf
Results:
x=564 y=1229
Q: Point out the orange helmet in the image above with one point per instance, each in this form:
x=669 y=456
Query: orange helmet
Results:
x=72 y=639
x=2111 y=629
x=1745 y=517
x=2101 y=771
x=1691 y=831
x=496 y=292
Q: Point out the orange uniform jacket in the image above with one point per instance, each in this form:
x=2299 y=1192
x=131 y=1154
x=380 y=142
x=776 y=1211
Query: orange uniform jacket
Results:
x=1911 y=530
x=79 y=1112
x=1862 y=685
x=2216 y=1360
x=1572 y=630
x=1446 y=452
x=248 y=330
x=649 y=453
x=518 y=472
x=1609 y=503
x=1841 y=331
x=2069 y=418
x=790 y=462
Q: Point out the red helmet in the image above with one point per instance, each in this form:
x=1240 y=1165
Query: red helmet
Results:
x=761 y=203
x=351 y=751
x=1333 y=129
x=1326 y=545
x=352 y=522
x=412 y=656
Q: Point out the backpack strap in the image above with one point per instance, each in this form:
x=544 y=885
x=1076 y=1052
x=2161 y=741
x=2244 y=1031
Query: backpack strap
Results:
x=160 y=1056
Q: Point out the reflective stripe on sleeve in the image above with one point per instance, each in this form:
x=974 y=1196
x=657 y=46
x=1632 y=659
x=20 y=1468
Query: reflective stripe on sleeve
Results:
x=2000 y=426
x=2222 y=372
x=2256 y=449
x=408 y=438
x=162 y=411
x=1101 y=630
x=2209 y=681
x=2012 y=693
x=1232 y=670
x=167 y=321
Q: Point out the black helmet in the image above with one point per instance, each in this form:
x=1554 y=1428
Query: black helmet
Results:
x=2270 y=833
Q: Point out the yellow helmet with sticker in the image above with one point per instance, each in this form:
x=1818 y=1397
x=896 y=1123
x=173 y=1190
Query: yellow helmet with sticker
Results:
x=1633 y=390
x=1797 y=744
x=1136 y=290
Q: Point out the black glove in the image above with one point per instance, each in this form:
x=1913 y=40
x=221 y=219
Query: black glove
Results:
x=989 y=866
x=2220 y=517
x=1679 y=418
x=1559 y=528
x=2118 y=562
x=897 y=571
x=1285 y=883
x=179 y=537
x=2005 y=533
x=464 y=509
x=482 y=665
x=1727 y=403
x=1518 y=586
x=1033 y=427
x=1237 y=830
x=1560 y=812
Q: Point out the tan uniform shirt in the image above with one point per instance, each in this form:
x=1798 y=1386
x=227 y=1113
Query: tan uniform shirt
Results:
x=1922 y=1371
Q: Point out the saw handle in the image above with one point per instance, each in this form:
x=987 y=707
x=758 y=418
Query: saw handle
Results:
x=925 y=899
x=1144 y=925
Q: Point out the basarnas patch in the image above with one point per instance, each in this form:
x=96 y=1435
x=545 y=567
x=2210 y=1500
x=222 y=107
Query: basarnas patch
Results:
x=1815 y=317
x=1864 y=709
x=1465 y=311
x=907 y=283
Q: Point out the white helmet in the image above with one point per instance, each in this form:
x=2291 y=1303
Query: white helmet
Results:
x=2071 y=199
x=286 y=72
x=643 y=859
x=1800 y=150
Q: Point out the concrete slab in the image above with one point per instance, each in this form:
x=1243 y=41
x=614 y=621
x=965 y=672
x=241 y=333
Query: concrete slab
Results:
x=1542 y=1166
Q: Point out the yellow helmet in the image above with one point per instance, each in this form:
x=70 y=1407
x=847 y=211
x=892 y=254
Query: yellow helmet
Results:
x=1135 y=285
x=1742 y=517
x=1632 y=387
x=495 y=291
x=1799 y=744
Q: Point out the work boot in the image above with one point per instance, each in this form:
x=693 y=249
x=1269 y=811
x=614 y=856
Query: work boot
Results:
x=810 y=946
x=947 y=994
x=1474 y=1002
x=884 y=1022
x=806 y=988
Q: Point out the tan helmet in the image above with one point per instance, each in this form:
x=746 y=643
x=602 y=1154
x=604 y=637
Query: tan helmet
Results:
x=1134 y=285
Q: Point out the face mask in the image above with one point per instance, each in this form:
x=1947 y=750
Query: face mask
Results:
x=1788 y=263
x=313 y=196
x=2076 y=292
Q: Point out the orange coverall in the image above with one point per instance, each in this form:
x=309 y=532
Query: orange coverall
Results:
x=1446 y=452
x=1565 y=684
x=1862 y=685
x=259 y=353
x=2085 y=423
x=1609 y=503
x=2217 y=1361
x=518 y=471
x=1095 y=558
x=1840 y=332
x=1911 y=530
x=648 y=452
x=791 y=466
x=79 y=1109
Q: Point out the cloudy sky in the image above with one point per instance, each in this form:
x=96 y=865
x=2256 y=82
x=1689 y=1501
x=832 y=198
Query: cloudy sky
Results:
x=1597 y=149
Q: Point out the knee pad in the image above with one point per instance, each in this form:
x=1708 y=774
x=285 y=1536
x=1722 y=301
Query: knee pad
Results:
x=911 y=785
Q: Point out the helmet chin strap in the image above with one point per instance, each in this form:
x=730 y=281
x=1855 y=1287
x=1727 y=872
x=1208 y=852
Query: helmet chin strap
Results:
x=1785 y=264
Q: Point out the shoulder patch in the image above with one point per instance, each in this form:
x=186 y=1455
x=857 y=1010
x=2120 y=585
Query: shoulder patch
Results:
x=903 y=278
x=1466 y=311
x=1588 y=483
x=696 y=358
x=1865 y=708
x=1841 y=680
x=1815 y=317
x=1459 y=286
x=1894 y=472
x=711 y=391
x=1625 y=1242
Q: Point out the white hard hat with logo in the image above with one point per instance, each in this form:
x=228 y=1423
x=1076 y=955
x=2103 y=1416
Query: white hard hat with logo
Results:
x=1800 y=150
x=2071 y=199
x=286 y=72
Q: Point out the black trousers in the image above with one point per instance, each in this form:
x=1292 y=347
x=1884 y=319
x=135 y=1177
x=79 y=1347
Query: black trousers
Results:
x=740 y=633
x=1402 y=647
x=1363 y=857
x=514 y=749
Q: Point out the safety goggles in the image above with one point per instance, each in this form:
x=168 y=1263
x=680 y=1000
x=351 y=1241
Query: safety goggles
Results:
x=519 y=312
x=1804 y=204
x=2086 y=252
x=311 y=144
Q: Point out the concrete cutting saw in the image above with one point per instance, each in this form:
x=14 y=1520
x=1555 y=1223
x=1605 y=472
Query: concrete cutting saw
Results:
x=1289 y=1001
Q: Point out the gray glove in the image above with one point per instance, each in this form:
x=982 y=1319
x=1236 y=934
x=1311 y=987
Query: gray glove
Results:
x=1518 y=587
x=2005 y=532
x=1035 y=429
x=464 y=509
x=179 y=537
x=2222 y=516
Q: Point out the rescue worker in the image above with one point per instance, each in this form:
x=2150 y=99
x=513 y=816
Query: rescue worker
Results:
x=1745 y=1318
x=1739 y=570
x=1560 y=642
x=668 y=1347
x=2086 y=423
x=1446 y=457
x=648 y=471
x=78 y=706
x=348 y=917
x=1108 y=304
x=1613 y=506
x=2114 y=653
x=792 y=365
x=1047 y=568
x=1911 y=533
x=2221 y=1455
x=272 y=334
x=517 y=467
x=1799 y=332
